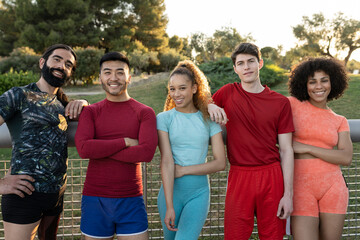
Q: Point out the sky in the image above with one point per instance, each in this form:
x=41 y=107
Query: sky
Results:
x=270 y=22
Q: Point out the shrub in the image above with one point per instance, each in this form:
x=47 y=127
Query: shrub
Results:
x=87 y=65
x=16 y=79
x=169 y=59
x=140 y=60
x=221 y=72
x=21 y=59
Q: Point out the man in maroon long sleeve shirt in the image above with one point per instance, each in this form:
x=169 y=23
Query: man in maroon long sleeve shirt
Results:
x=116 y=134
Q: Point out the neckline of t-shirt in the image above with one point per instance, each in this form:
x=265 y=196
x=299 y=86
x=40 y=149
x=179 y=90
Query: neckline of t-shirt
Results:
x=266 y=88
x=122 y=102
x=37 y=89
x=320 y=109
x=186 y=113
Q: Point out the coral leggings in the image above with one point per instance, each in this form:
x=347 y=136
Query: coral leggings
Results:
x=318 y=187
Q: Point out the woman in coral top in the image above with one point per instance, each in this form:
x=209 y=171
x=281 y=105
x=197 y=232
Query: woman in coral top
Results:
x=321 y=145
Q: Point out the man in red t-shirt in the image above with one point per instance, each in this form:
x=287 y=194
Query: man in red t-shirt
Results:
x=259 y=146
x=117 y=134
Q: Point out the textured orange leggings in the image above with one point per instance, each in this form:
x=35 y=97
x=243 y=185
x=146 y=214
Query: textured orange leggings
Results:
x=318 y=187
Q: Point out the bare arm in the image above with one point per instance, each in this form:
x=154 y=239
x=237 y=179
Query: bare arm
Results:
x=74 y=108
x=1 y=120
x=218 y=164
x=167 y=175
x=287 y=165
x=217 y=114
x=340 y=156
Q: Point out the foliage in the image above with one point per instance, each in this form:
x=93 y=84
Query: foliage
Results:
x=221 y=72
x=87 y=65
x=353 y=65
x=15 y=79
x=42 y=23
x=140 y=60
x=170 y=59
x=221 y=44
x=320 y=35
x=9 y=33
x=151 y=25
x=21 y=59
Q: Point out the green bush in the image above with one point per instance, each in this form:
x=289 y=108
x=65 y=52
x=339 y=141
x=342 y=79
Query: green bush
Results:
x=21 y=59
x=16 y=79
x=221 y=72
x=87 y=65
x=169 y=59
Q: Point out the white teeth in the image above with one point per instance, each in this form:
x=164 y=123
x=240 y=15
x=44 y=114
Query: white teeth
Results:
x=58 y=74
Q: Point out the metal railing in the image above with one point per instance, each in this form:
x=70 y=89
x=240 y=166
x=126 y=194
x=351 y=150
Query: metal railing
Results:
x=214 y=227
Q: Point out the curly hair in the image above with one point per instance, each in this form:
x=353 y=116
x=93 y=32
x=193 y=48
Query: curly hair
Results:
x=300 y=73
x=202 y=96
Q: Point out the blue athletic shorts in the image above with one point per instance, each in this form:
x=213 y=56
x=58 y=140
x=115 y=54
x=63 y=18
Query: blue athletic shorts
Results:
x=103 y=217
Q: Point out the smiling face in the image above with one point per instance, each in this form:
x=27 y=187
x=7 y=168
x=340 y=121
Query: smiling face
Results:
x=247 y=68
x=114 y=77
x=318 y=88
x=182 y=90
x=57 y=69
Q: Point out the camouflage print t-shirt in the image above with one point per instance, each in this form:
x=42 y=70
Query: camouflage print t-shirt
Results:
x=38 y=130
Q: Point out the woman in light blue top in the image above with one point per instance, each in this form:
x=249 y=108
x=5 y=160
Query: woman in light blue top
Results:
x=184 y=130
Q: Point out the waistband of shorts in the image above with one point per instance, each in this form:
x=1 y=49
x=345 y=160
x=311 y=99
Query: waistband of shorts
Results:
x=254 y=168
x=315 y=165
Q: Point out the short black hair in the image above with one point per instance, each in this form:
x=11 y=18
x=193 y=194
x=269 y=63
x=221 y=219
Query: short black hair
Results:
x=52 y=48
x=114 y=56
x=300 y=74
x=246 y=48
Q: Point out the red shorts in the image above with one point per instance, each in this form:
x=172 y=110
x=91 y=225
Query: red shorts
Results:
x=254 y=191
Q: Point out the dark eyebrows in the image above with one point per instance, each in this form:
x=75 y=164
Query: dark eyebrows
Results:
x=117 y=69
x=249 y=59
x=67 y=61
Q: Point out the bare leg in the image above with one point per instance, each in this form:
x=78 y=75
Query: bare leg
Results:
x=304 y=227
x=48 y=227
x=331 y=226
x=142 y=236
x=20 y=231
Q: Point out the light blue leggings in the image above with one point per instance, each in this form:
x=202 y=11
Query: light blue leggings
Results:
x=191 y=205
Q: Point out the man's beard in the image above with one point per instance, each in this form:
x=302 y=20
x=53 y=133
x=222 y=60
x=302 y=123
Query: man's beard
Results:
x=51 y=79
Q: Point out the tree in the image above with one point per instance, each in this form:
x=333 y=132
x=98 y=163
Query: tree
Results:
x=151 y=23
x=348 y=35
x=273 y=54
x=221 y=44
x=321 y=36
x=227 y=39
x=115 y=20
x=176 y=43
x=170 y=59
x=140 y=60
x=8 y=32
x=44 y=22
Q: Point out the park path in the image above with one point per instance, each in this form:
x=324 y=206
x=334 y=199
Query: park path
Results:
x=135 y=81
